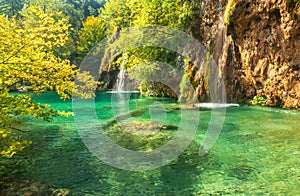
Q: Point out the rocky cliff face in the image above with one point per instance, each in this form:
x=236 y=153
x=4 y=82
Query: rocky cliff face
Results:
x=258 y=50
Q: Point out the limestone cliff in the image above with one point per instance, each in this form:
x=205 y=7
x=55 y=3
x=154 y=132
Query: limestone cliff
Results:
x=258 y=49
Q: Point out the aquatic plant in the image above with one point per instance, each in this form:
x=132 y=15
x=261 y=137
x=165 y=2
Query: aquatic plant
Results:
x=258 y=100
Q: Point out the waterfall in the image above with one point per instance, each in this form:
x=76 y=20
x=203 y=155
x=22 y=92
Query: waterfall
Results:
x=120 y=80
x=120 y=83
x=123 y=84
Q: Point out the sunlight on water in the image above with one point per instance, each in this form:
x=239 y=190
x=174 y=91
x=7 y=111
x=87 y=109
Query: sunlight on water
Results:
x=258 y=152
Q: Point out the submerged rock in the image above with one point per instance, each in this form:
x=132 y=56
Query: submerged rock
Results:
x=144 y=128
x=32 y=189
x=61 y=192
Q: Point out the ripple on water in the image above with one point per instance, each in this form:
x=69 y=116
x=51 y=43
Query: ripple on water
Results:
x=257 y=153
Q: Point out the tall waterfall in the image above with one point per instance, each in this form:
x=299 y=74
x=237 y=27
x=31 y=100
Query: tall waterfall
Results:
x=120 y=80
x=120 y=83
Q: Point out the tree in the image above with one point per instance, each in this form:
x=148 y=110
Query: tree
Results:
x=116 y=14
x=57 y=9
x=91 y=33
x=11 y=8
x=169 y=13
x=27 y=59
x=87 y=7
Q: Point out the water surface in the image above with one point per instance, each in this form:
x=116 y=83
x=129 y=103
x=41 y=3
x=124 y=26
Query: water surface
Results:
x=258 y=152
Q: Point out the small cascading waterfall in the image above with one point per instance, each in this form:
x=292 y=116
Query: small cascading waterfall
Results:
x=217 y=89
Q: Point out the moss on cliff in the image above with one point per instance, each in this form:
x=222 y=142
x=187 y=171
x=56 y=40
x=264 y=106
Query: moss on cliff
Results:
x=228 y=10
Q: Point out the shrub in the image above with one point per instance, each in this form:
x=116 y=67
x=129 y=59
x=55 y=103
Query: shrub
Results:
x=258 y=100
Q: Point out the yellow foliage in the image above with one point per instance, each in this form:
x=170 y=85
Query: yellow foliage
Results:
x=28 y=58
x=91 y=33
x=26 y=52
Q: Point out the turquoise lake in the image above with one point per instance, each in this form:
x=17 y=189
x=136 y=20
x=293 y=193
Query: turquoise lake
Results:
x=257 y=152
